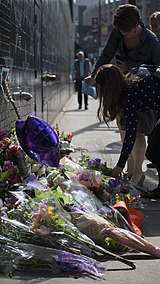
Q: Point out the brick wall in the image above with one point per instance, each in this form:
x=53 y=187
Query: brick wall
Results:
x=36 y=38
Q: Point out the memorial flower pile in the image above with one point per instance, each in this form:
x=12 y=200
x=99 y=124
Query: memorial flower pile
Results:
x=64 y=218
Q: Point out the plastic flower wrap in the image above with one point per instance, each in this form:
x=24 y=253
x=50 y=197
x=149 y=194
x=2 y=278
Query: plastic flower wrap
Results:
x=90 y=221
x=115 y=189
x=98 y=228
x=42 y=221
x=91 y=178
x=37 y=227
x=23 y=256
x=45 y=215
x=84 y=199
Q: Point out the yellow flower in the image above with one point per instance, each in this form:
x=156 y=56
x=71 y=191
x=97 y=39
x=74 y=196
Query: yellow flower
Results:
x=50 y=210
x=54 y=217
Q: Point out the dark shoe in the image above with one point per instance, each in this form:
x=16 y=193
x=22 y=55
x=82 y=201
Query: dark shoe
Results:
x=79 y=107
x=147 y=194
x=151 y=166
x=86 y=107
x=154 y=194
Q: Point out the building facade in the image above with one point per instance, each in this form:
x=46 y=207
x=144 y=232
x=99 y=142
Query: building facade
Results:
x=95 y=22
x=36 y=43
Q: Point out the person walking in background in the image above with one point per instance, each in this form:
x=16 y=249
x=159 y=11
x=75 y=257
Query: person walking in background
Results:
x=130 y=94
x=135 y=45
x=81 y=68
x=155 y=23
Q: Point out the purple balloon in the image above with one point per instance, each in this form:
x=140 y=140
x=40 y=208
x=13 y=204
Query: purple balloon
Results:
x=38 y=140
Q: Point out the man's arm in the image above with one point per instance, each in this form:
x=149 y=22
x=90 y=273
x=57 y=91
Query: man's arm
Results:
x=109 y=51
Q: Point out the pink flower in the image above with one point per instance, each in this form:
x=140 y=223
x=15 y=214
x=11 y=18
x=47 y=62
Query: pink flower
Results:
x=41 y=213
x=8 y=165
x=69 y=157
x=1 y=133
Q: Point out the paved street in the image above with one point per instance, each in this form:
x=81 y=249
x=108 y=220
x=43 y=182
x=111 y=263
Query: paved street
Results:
x=104 y=143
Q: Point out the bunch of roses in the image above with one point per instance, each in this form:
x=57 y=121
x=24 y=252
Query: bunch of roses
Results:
x=9 y=172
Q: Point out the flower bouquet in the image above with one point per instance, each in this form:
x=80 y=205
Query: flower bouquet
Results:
x=83 y=198
x=93 y=220
x=98 y=228
x=37 y=233
x=23 y=256
x=10 y=171
x=65 y=140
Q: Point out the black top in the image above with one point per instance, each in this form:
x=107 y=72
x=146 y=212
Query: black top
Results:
x=142 y=97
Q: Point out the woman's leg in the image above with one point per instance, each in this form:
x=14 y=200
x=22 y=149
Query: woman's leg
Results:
x=121 y=121
x=130 y=160
x=138 y=155
x=136 y=158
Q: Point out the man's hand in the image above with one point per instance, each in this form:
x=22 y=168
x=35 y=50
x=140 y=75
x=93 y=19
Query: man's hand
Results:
x=122 y=65
x=116 y=171
x=89 y=80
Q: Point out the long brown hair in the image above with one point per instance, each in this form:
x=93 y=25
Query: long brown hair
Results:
x=110 y=83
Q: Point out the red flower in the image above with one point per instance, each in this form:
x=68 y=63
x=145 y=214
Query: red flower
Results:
x=70 y=135
x=15 y=149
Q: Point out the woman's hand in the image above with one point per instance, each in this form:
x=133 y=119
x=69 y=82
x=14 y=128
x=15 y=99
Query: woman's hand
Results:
x=116 y=171
x=89 y=80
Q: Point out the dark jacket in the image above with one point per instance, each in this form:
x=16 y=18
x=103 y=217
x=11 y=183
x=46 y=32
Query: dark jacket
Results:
x=147 y=52
x=76 y=69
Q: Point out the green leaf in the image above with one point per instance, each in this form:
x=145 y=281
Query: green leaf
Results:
x=61 y=197
x=4 y=176
x=40 y=195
